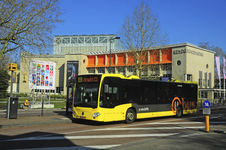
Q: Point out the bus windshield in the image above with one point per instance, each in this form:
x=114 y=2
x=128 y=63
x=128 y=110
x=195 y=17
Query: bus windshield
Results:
x=86 y=95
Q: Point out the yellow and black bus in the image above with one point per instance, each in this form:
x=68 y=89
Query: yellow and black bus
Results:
x=115 y=97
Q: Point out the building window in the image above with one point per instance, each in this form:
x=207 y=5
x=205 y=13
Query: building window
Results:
x=132 y=69
x=66 y=40
x=103 y=39
x=112 y=70
x=178 y=62
x=202 y=94
x=154 y=67
x=204 y=82
x=200 y=82
x=189 y=77
x=166 y=67
x=94 y=39
x=145 y=71
x=74 y=40
x=88 y=39
x=101 y=70
x=58 y=40
x=91 y=70
x=122 y=70
x=167 y=75
x=59 y=89
x=81 y=40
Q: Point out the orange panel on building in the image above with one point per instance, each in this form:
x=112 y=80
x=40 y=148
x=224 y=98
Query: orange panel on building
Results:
x=154 y=57
x=91 y=61
x=112 y=60
x=144 y=58
x=121 y=60
x=101 y=61
x=166 y=56
x=130 y=60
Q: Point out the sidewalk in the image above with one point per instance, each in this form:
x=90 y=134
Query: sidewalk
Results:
x=34 y=120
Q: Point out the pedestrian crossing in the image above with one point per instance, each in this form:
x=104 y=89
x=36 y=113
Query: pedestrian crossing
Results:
x=99 y=137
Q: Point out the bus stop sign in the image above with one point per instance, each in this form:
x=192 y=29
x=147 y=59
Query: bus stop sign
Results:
x=206 y=104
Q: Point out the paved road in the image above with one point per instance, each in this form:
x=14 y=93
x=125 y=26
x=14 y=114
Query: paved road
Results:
x=157 y=133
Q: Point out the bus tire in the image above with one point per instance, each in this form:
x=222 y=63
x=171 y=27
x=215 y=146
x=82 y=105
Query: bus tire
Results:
x=179 y=111
x=130 y=116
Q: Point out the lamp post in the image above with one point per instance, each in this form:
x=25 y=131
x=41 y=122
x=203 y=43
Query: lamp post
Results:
x=110 y=53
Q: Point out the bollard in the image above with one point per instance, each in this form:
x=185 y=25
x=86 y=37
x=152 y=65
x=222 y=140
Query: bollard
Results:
x=207 y=123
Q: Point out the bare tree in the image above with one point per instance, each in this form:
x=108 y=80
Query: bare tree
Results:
x=6 y=59
x=218 y=52
x=27 y=25
x=139 y=32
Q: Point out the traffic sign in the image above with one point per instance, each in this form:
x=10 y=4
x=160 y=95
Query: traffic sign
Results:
x=206 y=111
x=206 y=104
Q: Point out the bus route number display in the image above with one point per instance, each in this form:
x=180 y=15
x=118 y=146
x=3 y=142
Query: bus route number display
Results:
x=87 y=79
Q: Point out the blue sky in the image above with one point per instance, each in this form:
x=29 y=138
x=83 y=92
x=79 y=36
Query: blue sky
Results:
x=192 y=21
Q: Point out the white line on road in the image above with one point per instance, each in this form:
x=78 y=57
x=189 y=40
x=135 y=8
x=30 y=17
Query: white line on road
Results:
x=92 y=137
x=152 y=128
x=76 y=147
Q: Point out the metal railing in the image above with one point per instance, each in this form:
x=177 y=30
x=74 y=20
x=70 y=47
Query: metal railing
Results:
x=214 y=102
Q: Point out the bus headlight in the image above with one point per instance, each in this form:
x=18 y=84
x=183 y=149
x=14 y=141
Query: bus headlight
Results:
x=96 y=114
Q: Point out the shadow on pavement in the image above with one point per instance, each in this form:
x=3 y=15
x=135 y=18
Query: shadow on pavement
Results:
x=34 y=140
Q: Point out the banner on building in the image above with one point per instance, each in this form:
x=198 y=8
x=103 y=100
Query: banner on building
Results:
x=72 y=72
x=217 y=58
x=224 y=67
x=42 y=75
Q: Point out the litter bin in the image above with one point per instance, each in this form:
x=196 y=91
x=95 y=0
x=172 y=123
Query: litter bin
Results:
x=12 y=108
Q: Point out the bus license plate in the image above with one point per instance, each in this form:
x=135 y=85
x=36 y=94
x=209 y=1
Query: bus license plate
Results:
x=82 y=117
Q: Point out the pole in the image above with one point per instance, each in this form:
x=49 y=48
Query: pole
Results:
x=42 y=102
x=207 y=123
x=220 y=88
x=224 y=88
x=110 y=58
x=11 y=88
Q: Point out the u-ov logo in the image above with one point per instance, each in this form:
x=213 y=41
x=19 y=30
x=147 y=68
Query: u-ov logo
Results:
x=176 y=101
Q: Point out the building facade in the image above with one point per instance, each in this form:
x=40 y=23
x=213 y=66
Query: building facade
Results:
x=182 y=61
x=75 y=44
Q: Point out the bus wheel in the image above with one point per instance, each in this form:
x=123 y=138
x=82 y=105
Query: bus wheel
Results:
x=130 y=116
x=179 y=111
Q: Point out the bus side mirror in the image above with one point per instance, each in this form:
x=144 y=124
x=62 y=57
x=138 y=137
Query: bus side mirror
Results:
x=105 y=88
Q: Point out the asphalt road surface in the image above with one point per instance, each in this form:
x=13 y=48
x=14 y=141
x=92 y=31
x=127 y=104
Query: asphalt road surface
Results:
x=156 y=133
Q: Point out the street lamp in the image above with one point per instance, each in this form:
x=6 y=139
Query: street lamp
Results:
x=110 y=53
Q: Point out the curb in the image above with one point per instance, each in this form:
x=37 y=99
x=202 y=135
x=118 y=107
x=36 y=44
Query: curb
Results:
x=213 y=130
x=219 y=131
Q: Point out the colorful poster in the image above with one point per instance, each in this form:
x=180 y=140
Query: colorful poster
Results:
x=72 y=72
x=42 y=75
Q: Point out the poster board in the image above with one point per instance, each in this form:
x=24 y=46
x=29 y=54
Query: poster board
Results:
x=42 y=75
x=72 y=72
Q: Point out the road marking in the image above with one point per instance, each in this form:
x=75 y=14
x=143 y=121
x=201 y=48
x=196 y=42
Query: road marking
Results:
x=153 y=128
x=76 y=147
x=192 y=134
x=175 y=123
x=92 y=137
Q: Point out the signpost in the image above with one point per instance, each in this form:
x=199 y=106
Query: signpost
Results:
x=207 y=112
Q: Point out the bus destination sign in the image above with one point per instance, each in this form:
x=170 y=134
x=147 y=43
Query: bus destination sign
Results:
x=88 y=79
